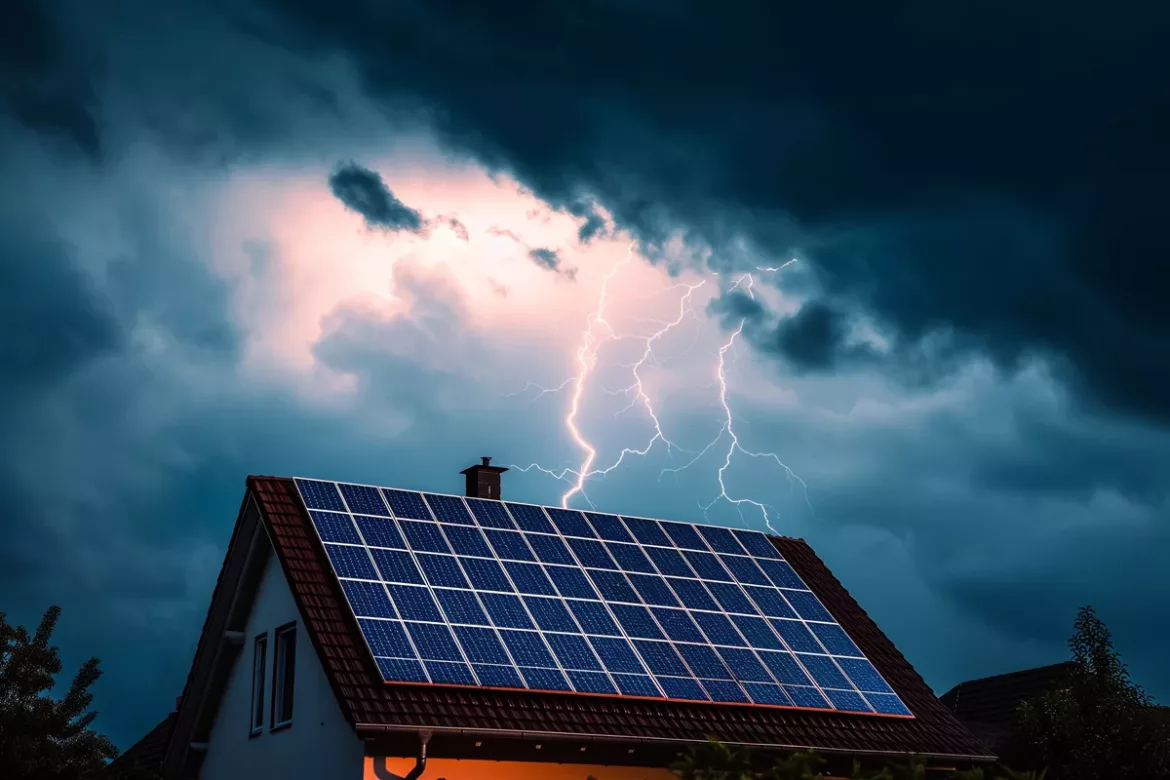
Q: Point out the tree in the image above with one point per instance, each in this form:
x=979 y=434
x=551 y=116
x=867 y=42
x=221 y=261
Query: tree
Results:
x=1101 y=724
x=715 y=761
x=43 y=738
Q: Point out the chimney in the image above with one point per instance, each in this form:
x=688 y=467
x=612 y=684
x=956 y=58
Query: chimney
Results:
x=483 y=481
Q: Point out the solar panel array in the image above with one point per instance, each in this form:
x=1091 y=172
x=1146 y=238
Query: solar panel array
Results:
x=467 y=591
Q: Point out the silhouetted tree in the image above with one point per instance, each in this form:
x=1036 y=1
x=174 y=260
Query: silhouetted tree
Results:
x=42 y=738
x=1100 y=724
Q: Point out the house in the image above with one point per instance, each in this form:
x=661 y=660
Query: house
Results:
x=313 y=663
x=988 y=706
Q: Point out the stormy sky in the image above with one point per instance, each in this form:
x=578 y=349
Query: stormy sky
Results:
x=360 y=241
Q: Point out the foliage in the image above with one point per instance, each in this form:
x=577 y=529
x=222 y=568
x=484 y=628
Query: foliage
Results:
x=797 y=766
x=41 y=737
x=715 y=761
x=1101 y=724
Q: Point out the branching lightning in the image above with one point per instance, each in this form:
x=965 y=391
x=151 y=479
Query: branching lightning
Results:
x=599 y=331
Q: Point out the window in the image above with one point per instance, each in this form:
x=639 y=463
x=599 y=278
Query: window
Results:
x=284 y=664
x=259 y=658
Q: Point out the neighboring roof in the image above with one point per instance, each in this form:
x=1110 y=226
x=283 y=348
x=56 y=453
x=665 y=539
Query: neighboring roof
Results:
x=372 y=705
x=148 y=752
x=993 y=701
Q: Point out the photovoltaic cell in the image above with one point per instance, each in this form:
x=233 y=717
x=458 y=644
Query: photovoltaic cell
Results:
x=414 y=603
x=781 y=574
x=528 y=649
x=490 y=514
x=461 y=606
x=448 y=509
x=807 y=605
x=406 y=506
x=636 y=621
x=678 y=625
x=647 y=531
x=320 y=495
x=608 y=527
x=450 y=673
x=506 y=611
x=593 y=618
x=570 y=523
x=351 y=562
x=363 y=500
x=670 y=562
x=636 y=685
x=386 y=638
x=442 y=571
x=721 y=540
x=545 y=679
x=498 y=676
x=467 y=541
x=509 y=545
x=683 y=536
x=653 y=590
x=685 y=688
x=591 y=554
x=531 y=518
x=630 y=558
x=530 y=579
x=590 y=682
x=401 y=670
x=396 y=566
x=334 y=527
x=379 y=532
x=571 y=582
x=613 y=586
x=465 y=591
x=434 y=642
x=486 y=574
x=757 y=545
x=692 y=594
x=482 y=645
x=368 y=599
x=550 y=549
x=424 y=537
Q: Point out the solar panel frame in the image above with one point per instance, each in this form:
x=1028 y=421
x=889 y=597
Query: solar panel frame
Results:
x=718 y=560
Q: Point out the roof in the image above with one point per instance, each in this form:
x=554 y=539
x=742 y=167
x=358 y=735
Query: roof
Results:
x=372 y=706
x=148 y=752
x=994 y=700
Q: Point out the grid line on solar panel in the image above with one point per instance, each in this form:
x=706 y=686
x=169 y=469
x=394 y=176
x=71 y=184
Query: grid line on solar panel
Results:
x=404 y=499
x=532 y=618
x=755 y=601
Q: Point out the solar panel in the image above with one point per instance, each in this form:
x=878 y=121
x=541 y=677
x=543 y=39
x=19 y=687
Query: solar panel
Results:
x=465 y=591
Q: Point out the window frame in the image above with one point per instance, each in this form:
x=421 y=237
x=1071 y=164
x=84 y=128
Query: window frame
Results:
x=284 y=637
x=259 y=680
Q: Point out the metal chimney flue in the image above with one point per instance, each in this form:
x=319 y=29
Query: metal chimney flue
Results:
x=483 y=480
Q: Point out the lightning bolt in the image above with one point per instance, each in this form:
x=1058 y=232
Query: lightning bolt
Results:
x=599 y=331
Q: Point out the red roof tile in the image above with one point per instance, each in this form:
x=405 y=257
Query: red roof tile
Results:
x=367 y=701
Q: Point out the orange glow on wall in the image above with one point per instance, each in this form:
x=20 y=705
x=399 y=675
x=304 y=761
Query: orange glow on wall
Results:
x=460 y=769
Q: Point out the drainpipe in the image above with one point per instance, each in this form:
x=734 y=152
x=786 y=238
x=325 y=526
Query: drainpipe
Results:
x=420 y=763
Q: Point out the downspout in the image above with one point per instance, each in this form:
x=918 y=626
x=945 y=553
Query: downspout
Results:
x=420 y=763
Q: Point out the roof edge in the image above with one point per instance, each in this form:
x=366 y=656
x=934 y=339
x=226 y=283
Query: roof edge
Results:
x=375 y=729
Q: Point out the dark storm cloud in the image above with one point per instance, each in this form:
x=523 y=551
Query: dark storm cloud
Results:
x=363 y=191
x=994 y=171
x=43 y=77
x=550 y=260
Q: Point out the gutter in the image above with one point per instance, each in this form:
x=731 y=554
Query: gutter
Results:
x=375 y=729
x=420 y=762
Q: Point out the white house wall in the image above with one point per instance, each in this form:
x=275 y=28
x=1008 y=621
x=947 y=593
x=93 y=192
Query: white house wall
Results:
x=319 y=744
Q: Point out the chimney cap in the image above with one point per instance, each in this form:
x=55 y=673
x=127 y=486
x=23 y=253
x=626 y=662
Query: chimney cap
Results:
x=486 y=465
